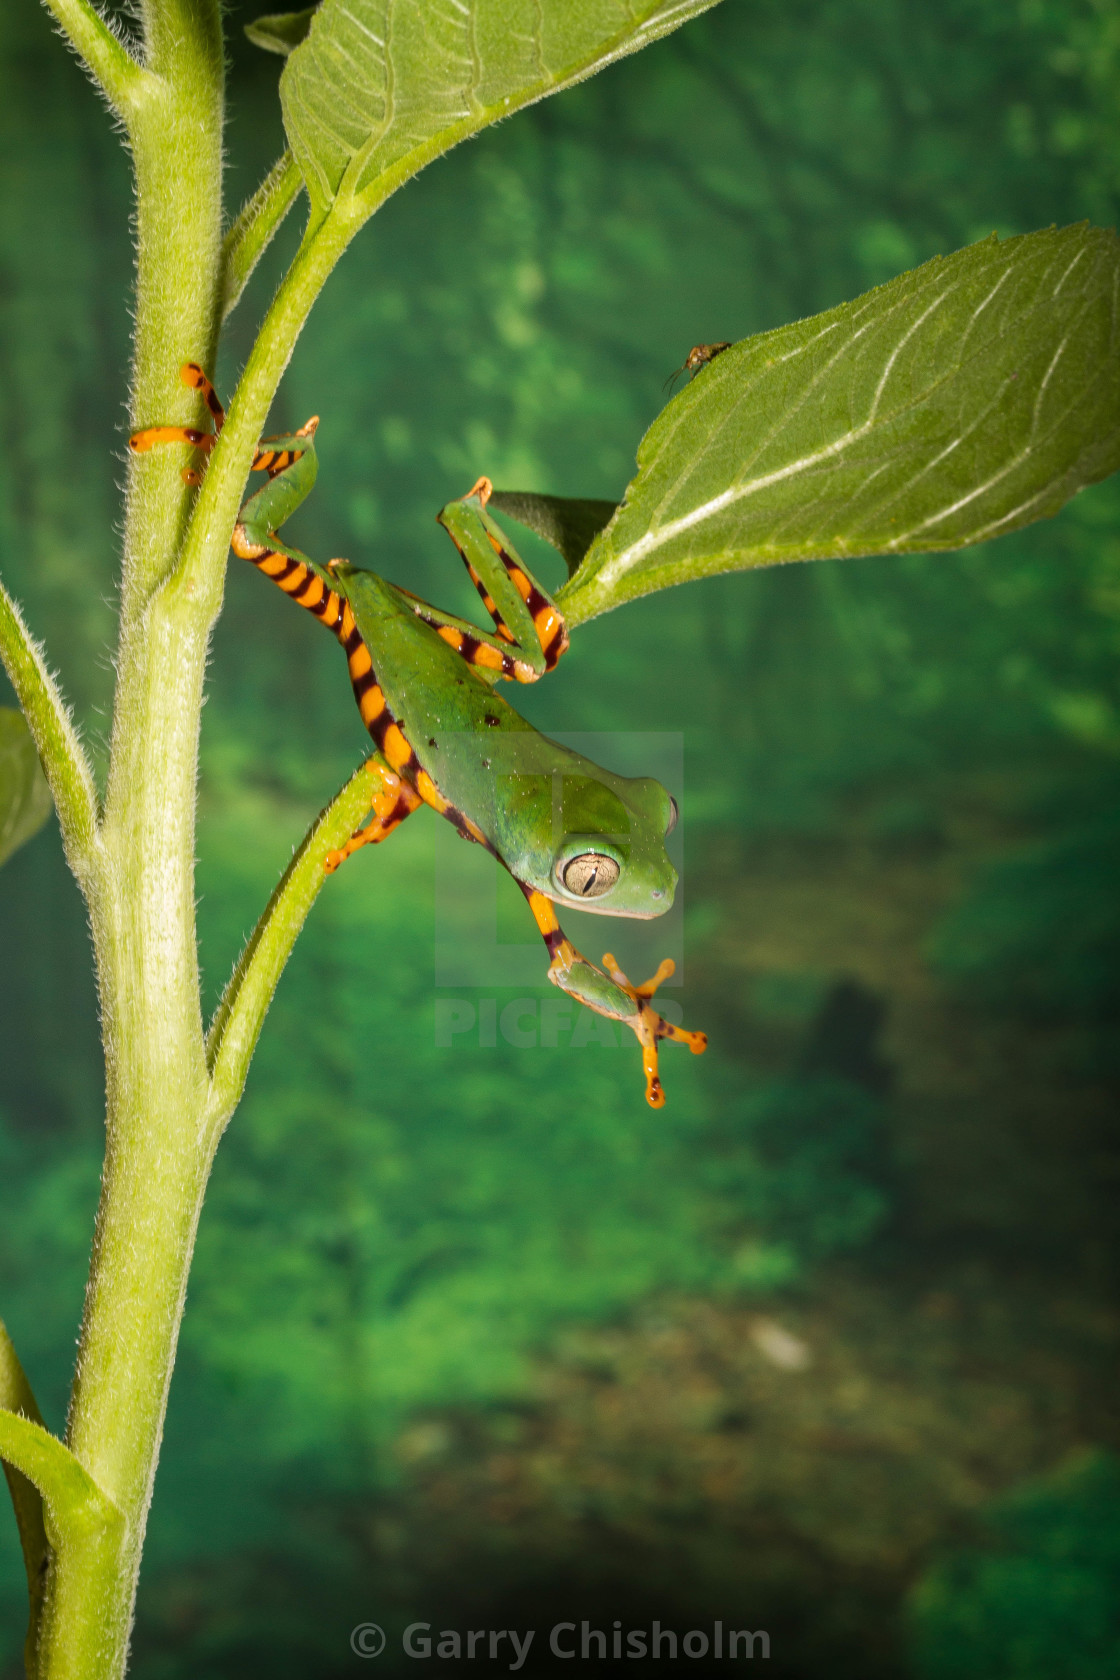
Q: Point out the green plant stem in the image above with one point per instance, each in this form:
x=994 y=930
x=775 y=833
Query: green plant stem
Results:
x=202 y=566
x=83 y=1529
x=240 y=1015
x=108 y=60
x=255 y=227
x=162 y=1124
x=143 y=918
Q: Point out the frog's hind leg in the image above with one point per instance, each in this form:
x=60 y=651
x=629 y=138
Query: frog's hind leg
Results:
x=391 y=801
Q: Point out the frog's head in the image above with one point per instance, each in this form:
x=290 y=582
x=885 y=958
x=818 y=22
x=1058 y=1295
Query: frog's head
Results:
x=610 y=855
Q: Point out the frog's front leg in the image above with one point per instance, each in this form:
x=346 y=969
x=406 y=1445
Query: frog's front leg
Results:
x=649 y=1026
x=611 y=994
x=151 y=436
x=529 y=630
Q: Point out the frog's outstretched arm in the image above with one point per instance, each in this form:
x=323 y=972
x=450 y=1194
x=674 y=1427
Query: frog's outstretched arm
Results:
x=611 y=993
x=529 y=633
x=525 y=616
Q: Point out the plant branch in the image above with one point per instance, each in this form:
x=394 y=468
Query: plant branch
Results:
x=256 y=224
x=27 y=1501
x=240 y=1015
x=201 y=568
x=63 y=758
x=104 y=54
x=82 y=1528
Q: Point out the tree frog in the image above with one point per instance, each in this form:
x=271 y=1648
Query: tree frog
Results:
x=568 y=831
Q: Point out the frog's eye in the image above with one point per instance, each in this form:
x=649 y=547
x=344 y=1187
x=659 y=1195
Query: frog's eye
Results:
x=674 y=813
x=591 y=874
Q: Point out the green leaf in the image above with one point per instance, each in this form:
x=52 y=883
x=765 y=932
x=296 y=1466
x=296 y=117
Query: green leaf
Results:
x=25 y=800
x=73 y=1501
x=27 y=1501
x=280 y=32
x=955 y=403
x=381 y=87
x=568 y=523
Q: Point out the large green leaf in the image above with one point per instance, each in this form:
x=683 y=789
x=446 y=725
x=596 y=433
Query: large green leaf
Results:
x=381 y=87
x=957 y=402
x=568 y=523
x=25 y=800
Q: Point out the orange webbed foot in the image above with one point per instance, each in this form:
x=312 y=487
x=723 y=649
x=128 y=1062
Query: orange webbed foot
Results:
x=150 y=437
x=650 y=1027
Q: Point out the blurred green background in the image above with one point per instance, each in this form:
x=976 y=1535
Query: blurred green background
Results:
x=828 y=1346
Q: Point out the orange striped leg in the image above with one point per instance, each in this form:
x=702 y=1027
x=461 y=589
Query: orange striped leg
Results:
x=552 y=632
x=477 y=652
x=391 y=802
x=560 y=948
x=273 y=461
x=296 y=579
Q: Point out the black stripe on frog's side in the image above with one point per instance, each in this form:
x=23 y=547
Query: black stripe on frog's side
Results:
x=389 y=736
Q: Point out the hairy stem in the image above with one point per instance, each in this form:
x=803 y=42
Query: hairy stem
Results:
x=63 y=758
x=253 y=231
x=143 y=920
x=105 y=56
